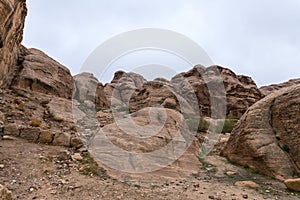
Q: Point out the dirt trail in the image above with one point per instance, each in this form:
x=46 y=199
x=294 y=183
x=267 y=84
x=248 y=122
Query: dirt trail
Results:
x=34 y=171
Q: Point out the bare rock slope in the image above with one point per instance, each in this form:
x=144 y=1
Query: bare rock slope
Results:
x=267 y=137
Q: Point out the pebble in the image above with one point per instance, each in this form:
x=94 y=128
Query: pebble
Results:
x=77 y=157
x=245 y=196
x=231 y=173
x=1 y=166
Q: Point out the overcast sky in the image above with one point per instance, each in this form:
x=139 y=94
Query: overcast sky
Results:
x=258 y=38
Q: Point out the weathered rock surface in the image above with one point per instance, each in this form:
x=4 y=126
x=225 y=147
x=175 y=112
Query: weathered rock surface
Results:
x=40 y=73
x=5 y=194
x=250 y=184
x=241 y=91
x=12 y=20
x=89 y=90
x=188 y=90
x=39 y=118
x=293 y=184
x=266 y=90
x=147 y=134
x=267 y=137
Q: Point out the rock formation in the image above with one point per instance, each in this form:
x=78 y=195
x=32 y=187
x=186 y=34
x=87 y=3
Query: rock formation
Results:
x=34 y=86
x=12 y=19
x=39 y=73
x=153 y=137
x=266 y=90
x=184 y=89
x=267 y=136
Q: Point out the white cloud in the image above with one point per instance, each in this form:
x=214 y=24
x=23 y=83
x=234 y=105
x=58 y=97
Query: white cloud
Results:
x=253 y=37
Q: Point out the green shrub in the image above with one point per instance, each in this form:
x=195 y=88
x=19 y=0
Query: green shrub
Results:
x=286 y=148
x=227 y=127
x=198 y=124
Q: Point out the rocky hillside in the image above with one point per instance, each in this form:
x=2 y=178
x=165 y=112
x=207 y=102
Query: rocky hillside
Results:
x=133 y=91
x=36 y=90
x=42 y=103
x=266 y=90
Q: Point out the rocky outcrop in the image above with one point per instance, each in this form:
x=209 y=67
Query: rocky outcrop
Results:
x=188 y=90
x=293 y=184
x=266 y=90
x=267 y=136
x=40 y=73
x=27 y=69
x=241 y=91
x=37 y=90
x=89 y=90
x=12 y=20
x=146 y=141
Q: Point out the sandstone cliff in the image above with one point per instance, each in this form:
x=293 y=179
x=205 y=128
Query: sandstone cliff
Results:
x=12 y=20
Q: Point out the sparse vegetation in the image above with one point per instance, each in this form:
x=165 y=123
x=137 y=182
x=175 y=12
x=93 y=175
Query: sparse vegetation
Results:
x=286 y=148
x=198 y=124
x=227 y=127
x=90 y=167
x=36 y=123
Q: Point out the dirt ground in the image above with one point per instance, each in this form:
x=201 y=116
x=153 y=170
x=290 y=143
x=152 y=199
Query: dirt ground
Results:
x=35 y=171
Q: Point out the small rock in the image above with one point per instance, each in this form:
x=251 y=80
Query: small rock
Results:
x=77 y=157
x=64 y=155
x=245 y=196
x=1 y=166
x=293 y=184
x=230 y=173
x=211 y=197
x=250 y=184
x=7 y=137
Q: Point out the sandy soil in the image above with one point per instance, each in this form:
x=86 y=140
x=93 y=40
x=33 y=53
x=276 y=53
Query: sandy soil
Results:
x=34 y=171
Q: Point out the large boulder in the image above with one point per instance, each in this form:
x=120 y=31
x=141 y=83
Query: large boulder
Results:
x=267 y=137
x=146 y=141
x=12 y=20
x=40 y=73
x=293 y=184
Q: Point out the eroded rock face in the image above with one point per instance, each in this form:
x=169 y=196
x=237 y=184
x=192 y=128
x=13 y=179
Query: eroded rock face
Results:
x=89 y=90
x=187 y=90
x=266 y=90
x=267 y=136
x=152 y=130
x=12 y=20
x=40 y=73
x=241 y=91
